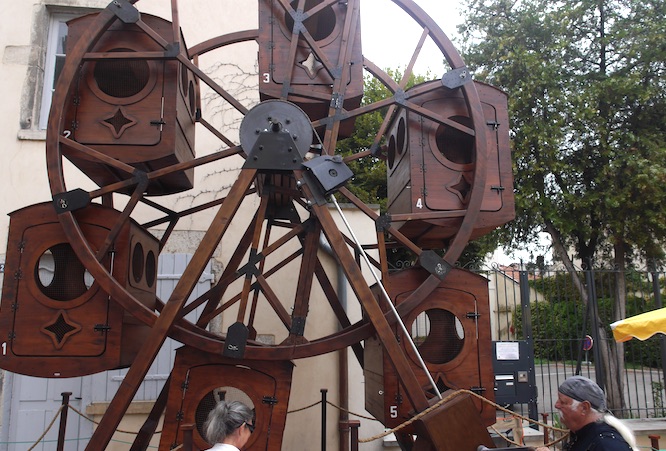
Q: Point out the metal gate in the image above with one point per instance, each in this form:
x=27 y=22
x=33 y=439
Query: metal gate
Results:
x=543 y=306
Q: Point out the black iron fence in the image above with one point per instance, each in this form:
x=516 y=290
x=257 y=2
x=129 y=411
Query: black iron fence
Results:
x=566 y=320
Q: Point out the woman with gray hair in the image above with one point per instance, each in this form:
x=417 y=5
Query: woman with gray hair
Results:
x=229 y=426
x=582 y=405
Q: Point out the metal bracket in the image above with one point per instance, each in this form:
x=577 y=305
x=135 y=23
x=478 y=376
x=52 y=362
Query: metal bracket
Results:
x=383 y=222
x=297 y=325
x=337 y=100
x=434 y=264
x=234 y=345
x=326 y=174
x=250 y=268
x=71 y=200
x=275 y=135
x=400 y=97
x=172 y=50
x=375 y=149
x=456 y=78
x=125 y=11
x=274 y=151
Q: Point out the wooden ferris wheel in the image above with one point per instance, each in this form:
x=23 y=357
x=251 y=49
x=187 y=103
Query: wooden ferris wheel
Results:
x=125 y=110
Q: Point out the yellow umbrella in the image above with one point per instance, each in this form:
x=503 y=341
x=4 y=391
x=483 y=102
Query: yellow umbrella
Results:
x=641 y=326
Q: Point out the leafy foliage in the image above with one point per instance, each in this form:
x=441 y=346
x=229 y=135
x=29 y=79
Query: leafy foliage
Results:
x=586 y=89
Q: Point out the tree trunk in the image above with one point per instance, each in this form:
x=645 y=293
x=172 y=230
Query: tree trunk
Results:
x=613 y=367
x=616 y=387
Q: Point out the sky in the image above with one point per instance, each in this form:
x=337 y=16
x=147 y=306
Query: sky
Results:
x=390 y=37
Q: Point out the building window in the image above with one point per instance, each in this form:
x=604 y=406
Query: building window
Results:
x=55 y=59
x=48 y=40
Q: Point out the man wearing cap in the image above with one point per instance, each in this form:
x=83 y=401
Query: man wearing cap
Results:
x=582 y=406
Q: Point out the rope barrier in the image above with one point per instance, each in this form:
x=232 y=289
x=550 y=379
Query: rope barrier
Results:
x=369 y=439
x=304 y=408
x=342 y=409
x=453 y=395
x=47 y=429
x=439 y=403
x=97 y=423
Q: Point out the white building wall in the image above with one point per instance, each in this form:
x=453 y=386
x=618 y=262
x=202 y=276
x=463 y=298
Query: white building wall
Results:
x=23 y=34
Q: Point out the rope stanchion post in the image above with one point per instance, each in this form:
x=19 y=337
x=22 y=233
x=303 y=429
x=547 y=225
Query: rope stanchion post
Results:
x=343 y=428
x=63 y=420
x=546 y=431
x=324 y=391
x=348 y=434
x=654 y=442
x=353 y=429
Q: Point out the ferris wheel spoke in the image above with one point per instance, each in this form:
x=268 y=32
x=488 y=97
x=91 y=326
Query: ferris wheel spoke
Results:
x=170 y=312
x=375 y=315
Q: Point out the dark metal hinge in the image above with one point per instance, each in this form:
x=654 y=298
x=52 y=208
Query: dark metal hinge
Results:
x=497 y=188
x=102 y=328
x=473 y=315
x=477 y=390
x=493 y=124
x=269 y=400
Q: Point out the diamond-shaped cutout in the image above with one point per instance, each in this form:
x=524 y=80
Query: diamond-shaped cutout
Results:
x=118 y=122
x=311 y=65
x=461 y=188
x=60 y=329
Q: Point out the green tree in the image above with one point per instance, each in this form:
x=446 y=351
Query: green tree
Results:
x=585 y=81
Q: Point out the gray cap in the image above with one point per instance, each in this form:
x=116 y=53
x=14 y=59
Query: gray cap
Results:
x=583 y=389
